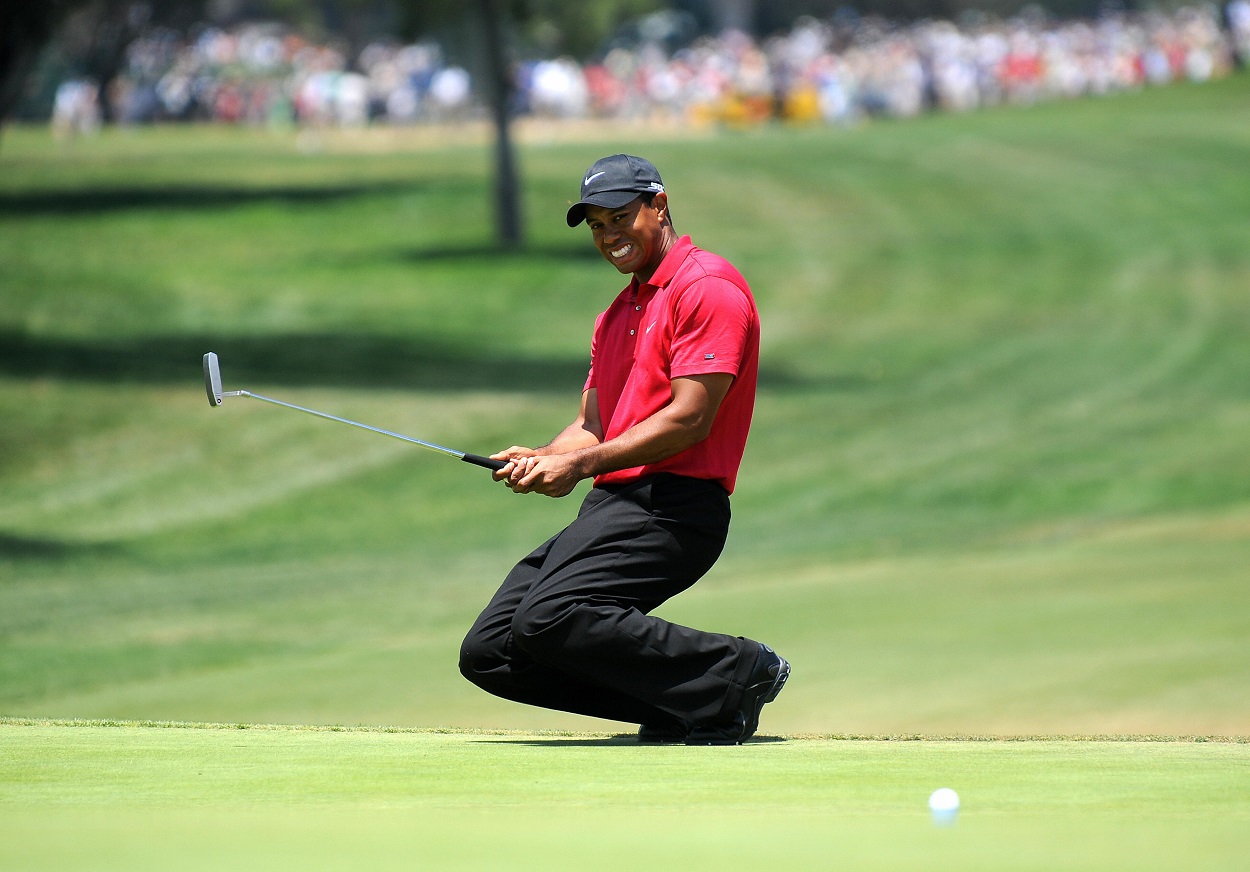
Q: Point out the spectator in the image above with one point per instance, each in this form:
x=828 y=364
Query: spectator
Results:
x=1237 y=16
x=260 y=74
x=76 y=109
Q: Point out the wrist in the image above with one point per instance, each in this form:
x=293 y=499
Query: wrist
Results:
x=584 y=463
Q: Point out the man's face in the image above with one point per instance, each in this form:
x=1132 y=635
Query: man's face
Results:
x=633 y=238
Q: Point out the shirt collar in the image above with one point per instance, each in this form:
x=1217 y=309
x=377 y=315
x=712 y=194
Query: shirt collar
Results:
x=672 y=260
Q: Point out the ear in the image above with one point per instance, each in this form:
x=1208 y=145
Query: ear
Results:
x=660 y=204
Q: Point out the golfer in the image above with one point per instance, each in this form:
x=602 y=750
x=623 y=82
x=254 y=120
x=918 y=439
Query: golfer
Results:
x=661 y=429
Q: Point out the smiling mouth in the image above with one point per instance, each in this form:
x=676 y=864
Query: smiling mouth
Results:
x=622 y=251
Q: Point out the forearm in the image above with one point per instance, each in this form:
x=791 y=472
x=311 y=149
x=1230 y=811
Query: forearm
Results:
x=664 y=434
x=574 y=437
x=581 y=452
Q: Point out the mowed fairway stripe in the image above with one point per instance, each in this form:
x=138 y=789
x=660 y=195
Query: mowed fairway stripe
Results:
x=289 y=797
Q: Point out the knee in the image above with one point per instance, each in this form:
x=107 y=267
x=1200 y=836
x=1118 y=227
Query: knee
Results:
x=478 y=657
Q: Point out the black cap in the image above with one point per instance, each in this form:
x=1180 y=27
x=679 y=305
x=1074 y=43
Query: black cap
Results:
x=612 y=182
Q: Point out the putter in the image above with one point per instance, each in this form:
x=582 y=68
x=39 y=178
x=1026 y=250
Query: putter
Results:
x=212 y=385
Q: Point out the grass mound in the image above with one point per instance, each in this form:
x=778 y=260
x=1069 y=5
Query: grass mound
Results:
x=997 y=482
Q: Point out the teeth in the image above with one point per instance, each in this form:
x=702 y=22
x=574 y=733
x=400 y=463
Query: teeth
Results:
x=620 y=252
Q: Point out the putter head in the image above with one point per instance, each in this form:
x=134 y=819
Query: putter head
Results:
x=212 y=379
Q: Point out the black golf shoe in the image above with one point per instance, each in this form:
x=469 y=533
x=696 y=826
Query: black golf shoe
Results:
x=767 y=679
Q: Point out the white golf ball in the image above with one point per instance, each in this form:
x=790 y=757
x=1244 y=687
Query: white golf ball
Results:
x=944 y=804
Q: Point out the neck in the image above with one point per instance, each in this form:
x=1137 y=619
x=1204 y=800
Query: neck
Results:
x=644 y=275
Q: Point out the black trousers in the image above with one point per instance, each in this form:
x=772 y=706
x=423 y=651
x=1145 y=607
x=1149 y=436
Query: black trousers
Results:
x=570 y=627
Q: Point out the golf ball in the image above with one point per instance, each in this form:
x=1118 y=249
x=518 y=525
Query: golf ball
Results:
x=944 y=804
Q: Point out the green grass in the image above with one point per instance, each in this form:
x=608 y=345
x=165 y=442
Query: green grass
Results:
x=214 y=796
x=1004 y=383
x=997 y=486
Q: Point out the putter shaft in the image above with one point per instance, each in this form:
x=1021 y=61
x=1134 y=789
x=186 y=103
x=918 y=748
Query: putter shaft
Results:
x=430 y=445
x=212 y=385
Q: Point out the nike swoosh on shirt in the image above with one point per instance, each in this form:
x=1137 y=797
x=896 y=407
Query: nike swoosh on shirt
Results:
x=589 y=179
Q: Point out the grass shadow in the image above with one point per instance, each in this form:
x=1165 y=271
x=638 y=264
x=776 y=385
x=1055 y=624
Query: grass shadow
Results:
x=340 y=360
x=323 y=360
x=555 y=253
x=94 y=201
x=31 y=548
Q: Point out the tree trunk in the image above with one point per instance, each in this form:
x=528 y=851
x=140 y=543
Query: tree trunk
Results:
x=508 y=230
x=25 y=29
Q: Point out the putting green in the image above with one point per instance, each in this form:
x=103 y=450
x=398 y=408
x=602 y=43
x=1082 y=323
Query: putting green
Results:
x=214 y=796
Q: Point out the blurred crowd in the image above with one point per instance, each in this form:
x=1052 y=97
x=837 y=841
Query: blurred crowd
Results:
x=834 y=72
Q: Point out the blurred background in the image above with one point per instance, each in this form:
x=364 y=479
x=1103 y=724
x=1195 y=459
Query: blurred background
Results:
x=997 y=481
x=359 y=62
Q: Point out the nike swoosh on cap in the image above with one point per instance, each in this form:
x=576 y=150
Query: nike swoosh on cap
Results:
x=590 y=179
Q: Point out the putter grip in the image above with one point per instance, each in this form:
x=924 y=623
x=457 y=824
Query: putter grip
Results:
x=485 y=461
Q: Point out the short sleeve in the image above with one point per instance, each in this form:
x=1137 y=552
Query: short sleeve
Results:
x=712 y=324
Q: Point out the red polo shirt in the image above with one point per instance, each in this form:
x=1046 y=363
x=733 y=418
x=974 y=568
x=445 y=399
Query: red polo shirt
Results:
x=695 y=316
